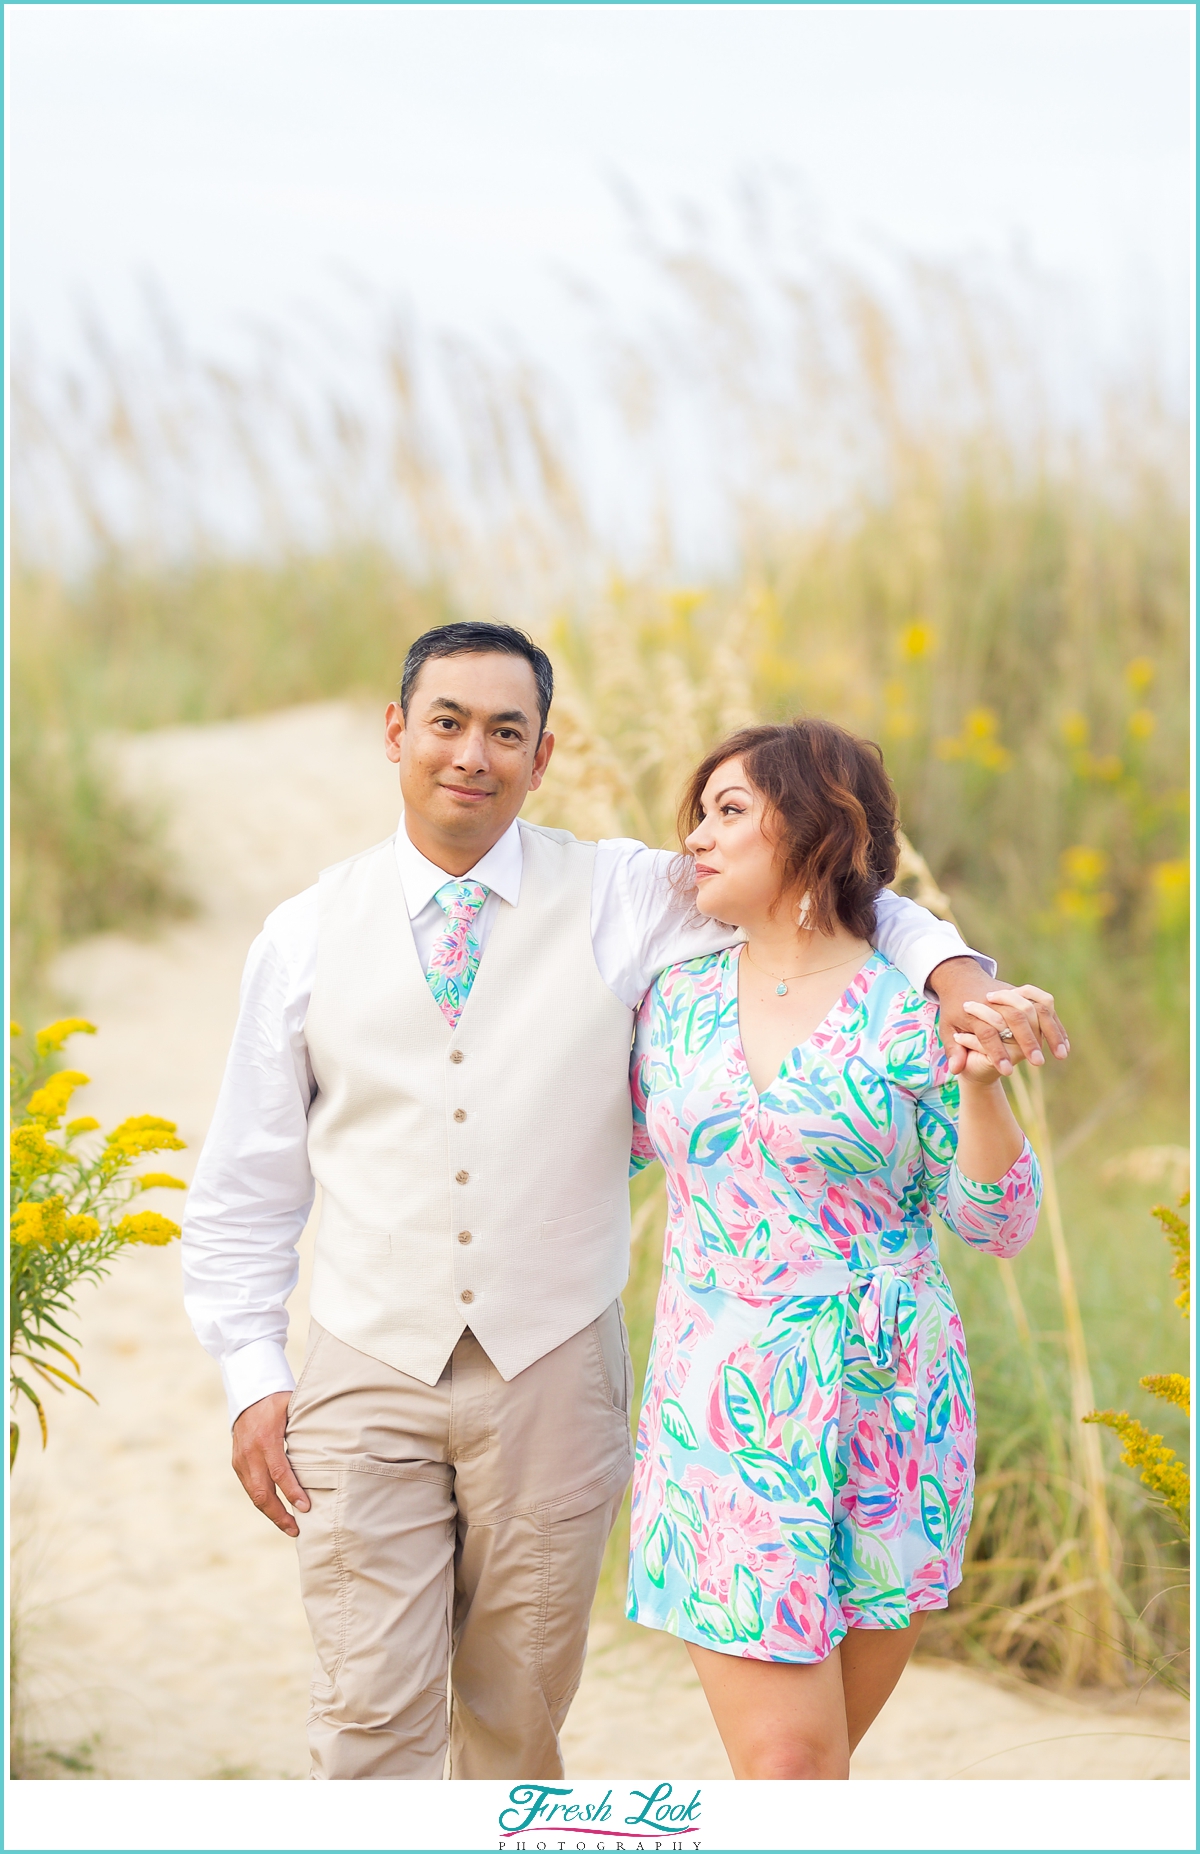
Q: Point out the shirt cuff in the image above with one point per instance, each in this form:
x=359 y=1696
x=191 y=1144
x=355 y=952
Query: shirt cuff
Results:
x=253 y=1371
x=961 y=951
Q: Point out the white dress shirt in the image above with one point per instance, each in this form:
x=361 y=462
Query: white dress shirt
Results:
x=253 y=1188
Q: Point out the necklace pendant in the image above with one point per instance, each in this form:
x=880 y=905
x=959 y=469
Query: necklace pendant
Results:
x=781 y=990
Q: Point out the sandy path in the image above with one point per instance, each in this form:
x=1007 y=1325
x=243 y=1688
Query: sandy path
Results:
x=159 y=1622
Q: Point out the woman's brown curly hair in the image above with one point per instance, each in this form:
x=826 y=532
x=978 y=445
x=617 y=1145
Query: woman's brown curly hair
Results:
x=833 y=809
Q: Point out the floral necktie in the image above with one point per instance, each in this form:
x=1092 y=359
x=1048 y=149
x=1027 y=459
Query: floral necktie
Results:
x=454 y=956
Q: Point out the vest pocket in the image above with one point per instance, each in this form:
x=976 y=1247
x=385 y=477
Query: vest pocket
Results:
x=364 y=1242
x=580 y=1223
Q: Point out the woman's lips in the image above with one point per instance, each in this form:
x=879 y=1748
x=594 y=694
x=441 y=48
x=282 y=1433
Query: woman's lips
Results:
x=705 y=869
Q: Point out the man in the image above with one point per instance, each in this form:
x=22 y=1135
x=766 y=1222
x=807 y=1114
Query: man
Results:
x=438 y=1034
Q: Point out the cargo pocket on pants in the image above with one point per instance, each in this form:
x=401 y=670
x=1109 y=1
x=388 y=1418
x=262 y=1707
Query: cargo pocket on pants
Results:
x=323 y=1580
x=573 y=1553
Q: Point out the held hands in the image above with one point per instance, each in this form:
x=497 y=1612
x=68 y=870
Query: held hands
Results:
x=971 y=1020
x=1018 y=1006
x=261 y=1464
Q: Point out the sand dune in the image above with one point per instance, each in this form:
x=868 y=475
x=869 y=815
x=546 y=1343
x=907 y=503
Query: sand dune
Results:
x=159 y=1625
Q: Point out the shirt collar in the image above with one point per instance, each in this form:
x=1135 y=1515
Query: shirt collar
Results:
x=499 y=870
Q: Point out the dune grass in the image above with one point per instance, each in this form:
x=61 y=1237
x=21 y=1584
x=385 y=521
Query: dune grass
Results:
x=1002 y=605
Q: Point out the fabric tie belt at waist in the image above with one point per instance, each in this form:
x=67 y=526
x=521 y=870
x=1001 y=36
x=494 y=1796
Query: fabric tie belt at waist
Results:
x=887 y=1307
x=884 y=1295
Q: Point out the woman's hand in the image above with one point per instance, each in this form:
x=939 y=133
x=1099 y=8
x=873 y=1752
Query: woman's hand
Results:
x=1026 y=1003
x=959 y=982
x=989 y=1140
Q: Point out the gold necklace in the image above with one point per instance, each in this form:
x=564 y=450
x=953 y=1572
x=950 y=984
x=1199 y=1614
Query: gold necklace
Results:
x=781 y=988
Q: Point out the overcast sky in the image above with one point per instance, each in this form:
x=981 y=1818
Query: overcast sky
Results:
x=460 y=157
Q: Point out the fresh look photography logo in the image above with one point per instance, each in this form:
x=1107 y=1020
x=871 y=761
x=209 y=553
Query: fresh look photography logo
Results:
x=560 y=1816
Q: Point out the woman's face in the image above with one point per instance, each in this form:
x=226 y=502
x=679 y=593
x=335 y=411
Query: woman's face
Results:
x=737 y=874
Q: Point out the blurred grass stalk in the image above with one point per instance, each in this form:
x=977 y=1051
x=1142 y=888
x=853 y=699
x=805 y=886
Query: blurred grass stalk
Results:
x=906 y=539
x=1106 y=1632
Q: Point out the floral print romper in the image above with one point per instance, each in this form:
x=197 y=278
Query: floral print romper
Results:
x=805 y=1454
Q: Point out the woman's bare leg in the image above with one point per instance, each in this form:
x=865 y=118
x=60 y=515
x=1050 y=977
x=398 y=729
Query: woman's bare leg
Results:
x=778 y=1719
x=872 y=1662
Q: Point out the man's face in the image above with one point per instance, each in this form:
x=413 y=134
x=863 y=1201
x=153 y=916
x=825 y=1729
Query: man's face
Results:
x=468 y=752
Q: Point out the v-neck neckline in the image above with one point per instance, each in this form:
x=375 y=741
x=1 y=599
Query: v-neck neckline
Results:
x=872 y=964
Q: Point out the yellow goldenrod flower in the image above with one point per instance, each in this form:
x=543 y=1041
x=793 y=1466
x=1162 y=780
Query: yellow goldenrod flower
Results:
x=978 y=742
x=1172 y=1387
x=1160 y=1467
x=1139 y=674
x=1084 y=866
x=1074 y=727
x=146 y=1226
x=917 y=640
x=1178 y=1235
x=26 y=1224
x=83 y=1229
x=50 y=1101
x=55 y=1035
x=83 y=1224
x=1089 y=907
x=14 y=1028
x=1170 y=885
x=31 y=1154
x=143 y=1133
x=1142 y=723
x=1080 y=899
x=42 y=1224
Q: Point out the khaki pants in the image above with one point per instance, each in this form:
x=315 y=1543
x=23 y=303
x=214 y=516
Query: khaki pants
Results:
x=455 y=1530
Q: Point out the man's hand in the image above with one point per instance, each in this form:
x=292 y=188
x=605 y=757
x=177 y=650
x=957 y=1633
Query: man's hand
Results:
x=972 y=1005
x=261 y=1464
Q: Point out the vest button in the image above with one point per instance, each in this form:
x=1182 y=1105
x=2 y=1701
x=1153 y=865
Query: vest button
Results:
x=464 y=1235
x=466 y=1296
x=461 y=1177
x=456 y=1055
x=459 y=1114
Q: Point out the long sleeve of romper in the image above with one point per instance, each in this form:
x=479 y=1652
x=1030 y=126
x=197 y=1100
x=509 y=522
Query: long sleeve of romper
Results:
x=998 y=1218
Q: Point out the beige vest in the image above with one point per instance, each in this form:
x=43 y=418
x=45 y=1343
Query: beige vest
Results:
x=476 y=1176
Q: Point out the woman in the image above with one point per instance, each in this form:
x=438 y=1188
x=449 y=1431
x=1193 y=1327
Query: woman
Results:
x=805 y=1452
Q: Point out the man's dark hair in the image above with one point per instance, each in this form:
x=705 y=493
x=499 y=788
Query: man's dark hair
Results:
x=473 y=639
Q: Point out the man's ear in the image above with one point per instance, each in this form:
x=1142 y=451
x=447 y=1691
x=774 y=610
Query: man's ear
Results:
x=393 y=728
x=541 y=760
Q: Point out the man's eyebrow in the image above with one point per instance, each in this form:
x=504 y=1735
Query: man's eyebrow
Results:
x=505 y=715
